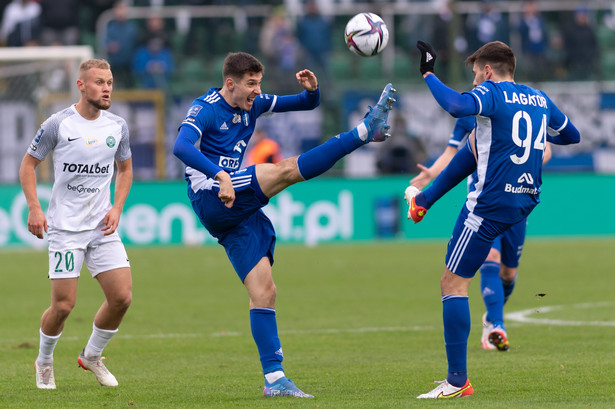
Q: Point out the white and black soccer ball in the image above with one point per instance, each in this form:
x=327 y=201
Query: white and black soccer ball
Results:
x=366 y=34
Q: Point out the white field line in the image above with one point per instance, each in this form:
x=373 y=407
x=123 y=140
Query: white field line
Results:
x=524 y=316
x=519 y=317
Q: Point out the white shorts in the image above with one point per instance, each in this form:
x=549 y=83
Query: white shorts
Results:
x=68 y=250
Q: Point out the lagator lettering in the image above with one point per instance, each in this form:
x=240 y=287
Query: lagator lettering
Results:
x=85 y=168
x=526 y=99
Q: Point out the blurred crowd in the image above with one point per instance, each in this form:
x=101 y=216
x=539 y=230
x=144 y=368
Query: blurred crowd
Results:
x=145 y=53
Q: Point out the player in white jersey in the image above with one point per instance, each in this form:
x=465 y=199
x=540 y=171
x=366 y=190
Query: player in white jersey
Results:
x=506 y=151
x=86 y=141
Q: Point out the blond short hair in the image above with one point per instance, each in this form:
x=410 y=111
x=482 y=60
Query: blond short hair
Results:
x=93 y=63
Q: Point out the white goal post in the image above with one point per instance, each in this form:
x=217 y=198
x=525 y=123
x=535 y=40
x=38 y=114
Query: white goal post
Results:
x=33 y=81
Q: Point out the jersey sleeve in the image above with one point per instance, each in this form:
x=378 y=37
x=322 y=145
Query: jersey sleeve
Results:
x=46 y=138
x=123 y=150
x=197 y=118
x=303 y=101
x=561 y=130
x=463 y=128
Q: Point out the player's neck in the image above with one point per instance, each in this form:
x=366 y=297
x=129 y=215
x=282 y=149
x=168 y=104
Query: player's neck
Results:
x=88 y=111
x=228 y=96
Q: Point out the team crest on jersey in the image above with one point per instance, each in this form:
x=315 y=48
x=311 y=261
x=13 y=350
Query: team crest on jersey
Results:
x=236 y=118
x=110 y=141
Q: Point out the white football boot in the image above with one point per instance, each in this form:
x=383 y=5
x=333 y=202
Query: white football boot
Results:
x=446 y=390
x=94 y=364
x=44 y=376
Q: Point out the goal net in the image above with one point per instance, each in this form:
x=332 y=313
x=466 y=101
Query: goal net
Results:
x=35 y=82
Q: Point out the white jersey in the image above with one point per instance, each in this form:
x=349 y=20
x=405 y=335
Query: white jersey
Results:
x=84 y=154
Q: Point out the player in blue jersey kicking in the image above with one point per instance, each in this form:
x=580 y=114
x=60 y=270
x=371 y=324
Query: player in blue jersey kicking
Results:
x=498 y=274
x=228 y=199
x=507 y=150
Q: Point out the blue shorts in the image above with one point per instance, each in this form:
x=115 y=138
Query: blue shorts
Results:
x=510 y=244
x=471 y=241
x=245 y=232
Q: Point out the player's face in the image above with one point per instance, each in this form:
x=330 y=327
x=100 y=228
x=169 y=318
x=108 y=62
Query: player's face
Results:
x=247 y=90
x=479 y=74
x=97 y=86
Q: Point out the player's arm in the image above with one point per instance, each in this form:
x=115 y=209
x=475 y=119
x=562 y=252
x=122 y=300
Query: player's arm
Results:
x=561 y=130
x=37 y=223
x=306 y=100
x=123 y=182
x=185 y=150
x=461 y=166
x=546 y=156
x=427 y=174
x=456 y=104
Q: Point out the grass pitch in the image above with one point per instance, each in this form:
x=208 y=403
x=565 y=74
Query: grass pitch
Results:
x=360 y=326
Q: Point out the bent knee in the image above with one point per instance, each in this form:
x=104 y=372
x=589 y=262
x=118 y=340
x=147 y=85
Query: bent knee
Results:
x=62 y=309
x=494 y=256
x=508 y=273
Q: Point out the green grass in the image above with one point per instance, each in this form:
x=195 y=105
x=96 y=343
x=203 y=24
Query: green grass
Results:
x=360 y=325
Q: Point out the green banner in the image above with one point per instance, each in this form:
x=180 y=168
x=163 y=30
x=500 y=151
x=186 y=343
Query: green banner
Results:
x=332 y=210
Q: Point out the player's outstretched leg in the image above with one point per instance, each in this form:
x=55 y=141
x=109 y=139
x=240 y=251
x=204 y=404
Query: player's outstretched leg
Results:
x=375 y=121
x=94 y=364
x=284 y=387
x=373 y=128
x=44 y=375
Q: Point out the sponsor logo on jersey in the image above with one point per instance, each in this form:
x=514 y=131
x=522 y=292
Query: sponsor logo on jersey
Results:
x=90 y=141
x=224 y=127
x=526 y=178
x=84 y=168
x=82 y=189
x=239 y=146
x=236 y=118
x=229 y=163
x=73 y=139
x=246 y=119
x=110 y=141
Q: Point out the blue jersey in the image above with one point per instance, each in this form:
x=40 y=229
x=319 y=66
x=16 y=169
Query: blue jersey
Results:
x=511 y=134
x=462 y=129
x=225 y=131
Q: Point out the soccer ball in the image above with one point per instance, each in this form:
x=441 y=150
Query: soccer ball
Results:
x=366 y=34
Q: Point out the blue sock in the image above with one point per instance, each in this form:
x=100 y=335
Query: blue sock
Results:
x=320 y=159
x=493 y=292
x=508 y=286
x=265 y=334
x=461 y=166
x=456 y=318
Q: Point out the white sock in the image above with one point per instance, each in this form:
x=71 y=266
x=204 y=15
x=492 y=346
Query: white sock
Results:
x=274 y=376
x=98 y=341
x=362 y=131
x=46 y=346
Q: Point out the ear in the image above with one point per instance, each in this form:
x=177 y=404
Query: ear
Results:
x=81 y=85
x=229 y=83
x=488 y=72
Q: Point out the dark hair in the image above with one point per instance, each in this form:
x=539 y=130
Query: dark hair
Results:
x=497 y=54
x=236 y=65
